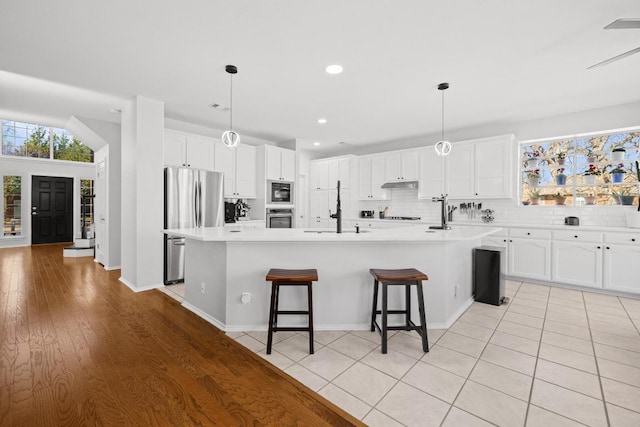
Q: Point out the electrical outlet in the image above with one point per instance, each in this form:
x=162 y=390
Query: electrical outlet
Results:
x=202 y=288
x=245 y=298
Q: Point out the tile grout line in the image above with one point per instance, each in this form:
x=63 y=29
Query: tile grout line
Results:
x=535 y=367
x=474 y=367
x=595 y=358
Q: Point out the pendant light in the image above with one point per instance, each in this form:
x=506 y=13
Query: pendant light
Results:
x=443 y=147
x=231 y=138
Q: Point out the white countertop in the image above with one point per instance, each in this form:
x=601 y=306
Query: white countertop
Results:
x=549 y=226
x=413 y=233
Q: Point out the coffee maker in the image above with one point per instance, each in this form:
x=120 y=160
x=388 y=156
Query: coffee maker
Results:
x=229 y=212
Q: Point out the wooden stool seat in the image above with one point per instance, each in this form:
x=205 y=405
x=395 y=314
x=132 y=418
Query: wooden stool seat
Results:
x=406 y=277
x=283 y=277
x=309 y=275
x=403 y=275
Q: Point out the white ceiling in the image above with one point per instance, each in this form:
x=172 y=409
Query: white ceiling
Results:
x=506 y=60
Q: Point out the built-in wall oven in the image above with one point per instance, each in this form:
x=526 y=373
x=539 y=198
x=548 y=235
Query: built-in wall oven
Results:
x=279 y=218
x=280 y=192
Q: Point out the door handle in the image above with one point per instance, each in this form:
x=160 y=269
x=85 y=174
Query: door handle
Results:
x=178 y=243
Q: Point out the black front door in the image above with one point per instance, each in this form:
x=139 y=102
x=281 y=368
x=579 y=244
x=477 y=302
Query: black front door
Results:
x=51 y=209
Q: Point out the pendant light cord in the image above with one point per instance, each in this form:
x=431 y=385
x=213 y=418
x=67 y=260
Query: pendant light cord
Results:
x=442 y=116
x=231 y=104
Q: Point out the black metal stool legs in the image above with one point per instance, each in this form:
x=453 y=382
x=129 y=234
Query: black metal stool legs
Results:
x=310 y=317
x=272 y=315
x=408 y=323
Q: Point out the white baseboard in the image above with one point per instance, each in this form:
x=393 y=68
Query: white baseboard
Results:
x=138 y=289
x=111 y=267
x=215 y=322
x=450 y=321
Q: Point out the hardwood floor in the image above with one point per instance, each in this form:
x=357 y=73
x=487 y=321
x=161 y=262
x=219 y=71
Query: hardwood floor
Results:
x=80 y=348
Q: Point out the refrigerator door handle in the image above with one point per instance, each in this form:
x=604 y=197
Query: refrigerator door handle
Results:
x=196 y=204
x=199 y=204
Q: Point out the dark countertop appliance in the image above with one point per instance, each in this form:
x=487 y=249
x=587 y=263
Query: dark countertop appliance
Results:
x=366 y=214
x=571 y=220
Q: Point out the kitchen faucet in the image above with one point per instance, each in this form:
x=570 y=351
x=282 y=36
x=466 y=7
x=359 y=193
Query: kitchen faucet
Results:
x=443 y=217
x=338 y=214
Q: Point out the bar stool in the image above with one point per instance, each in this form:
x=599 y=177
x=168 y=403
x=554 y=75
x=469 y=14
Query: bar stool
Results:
x=282 y=277
x=407 y=277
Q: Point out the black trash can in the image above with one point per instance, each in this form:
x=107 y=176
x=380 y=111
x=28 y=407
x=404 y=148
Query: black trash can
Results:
x=488 y=274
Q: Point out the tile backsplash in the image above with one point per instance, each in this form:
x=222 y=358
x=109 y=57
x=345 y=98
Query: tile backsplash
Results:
x=404 y=202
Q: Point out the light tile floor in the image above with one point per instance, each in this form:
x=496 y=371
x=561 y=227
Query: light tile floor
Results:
x=175 y=291
x=549 y=357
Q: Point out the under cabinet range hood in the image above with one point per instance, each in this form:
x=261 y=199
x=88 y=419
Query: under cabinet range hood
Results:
x=410 y=185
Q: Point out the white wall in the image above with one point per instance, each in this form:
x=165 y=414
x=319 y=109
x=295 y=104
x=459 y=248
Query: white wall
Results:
x=27 y=168
x=142 y=193
x=615 y=117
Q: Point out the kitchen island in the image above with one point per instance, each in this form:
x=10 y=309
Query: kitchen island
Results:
x=222 y=264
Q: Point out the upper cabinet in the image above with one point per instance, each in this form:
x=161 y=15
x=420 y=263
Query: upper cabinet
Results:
x=280 y=164
x=431 y=177
x=186 y=150
x=239 y=168
x=324 y=174
x=319 y=175
x=481 y=168
x=401 y=166
x=371 y=177
x=339 y=170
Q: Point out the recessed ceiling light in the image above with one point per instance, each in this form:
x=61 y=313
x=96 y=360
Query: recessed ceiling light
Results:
x=217 y=106
x=316 y=143
x=322 y=120
x=334 y=69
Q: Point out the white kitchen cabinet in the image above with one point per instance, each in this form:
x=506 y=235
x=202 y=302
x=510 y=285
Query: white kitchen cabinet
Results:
x=186 y=150
x=577 y=263
x=460 y=165
x=281 y=164
x=621 y=266
x=371 y=178
x=239 y=168
x=401 y=166
x=431 y=177
x=530 y=258
x=339 y=170
x=493 y=167
x=481 y=169
x=319 y=175
x=318 y=204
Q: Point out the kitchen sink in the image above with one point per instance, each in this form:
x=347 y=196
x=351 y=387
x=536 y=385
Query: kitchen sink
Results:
x=334 y=232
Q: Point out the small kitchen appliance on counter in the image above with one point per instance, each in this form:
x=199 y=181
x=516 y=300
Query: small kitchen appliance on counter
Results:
x=571 y=220
x=366 y=214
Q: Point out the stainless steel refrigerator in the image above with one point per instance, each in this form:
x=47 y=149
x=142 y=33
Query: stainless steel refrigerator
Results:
x=193 y=198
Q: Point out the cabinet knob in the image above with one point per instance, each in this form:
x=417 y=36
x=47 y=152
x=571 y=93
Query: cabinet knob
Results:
x=528 y=234
x=607 y=247
x=505 y=240
x=598 y=247
x=633 y=240
x=575 y=237
x=510 y=240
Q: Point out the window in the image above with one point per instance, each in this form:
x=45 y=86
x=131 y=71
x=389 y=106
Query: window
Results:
x=595 y=169
x=86 y=205
x=12 y=206
x=32 y=140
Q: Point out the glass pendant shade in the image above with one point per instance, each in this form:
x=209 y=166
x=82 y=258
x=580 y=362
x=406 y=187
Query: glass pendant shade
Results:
x=443 y=148
x=230 y=138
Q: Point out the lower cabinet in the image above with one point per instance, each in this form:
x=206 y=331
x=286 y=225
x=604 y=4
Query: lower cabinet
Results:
x=613 y=265
x=530 y=258
x=577 y=263
x=622 y=268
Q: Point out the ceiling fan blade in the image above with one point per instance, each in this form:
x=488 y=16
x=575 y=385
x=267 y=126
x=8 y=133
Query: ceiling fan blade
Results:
x=615 y=58
x=620 y=24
